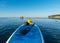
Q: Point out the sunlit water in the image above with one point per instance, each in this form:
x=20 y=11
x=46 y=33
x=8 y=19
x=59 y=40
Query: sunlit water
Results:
x=50 y=28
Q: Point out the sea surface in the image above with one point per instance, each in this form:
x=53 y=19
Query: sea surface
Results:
x=50 y=28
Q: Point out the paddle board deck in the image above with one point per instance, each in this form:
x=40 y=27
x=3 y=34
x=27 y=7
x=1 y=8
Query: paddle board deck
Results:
x=26 y=34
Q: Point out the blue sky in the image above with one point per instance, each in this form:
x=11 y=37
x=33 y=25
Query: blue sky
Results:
x=32 y=8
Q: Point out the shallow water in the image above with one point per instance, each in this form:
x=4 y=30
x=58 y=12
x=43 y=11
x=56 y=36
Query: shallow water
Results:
x=50 y=28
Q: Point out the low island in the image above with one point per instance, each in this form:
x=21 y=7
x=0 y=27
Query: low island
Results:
x=57 y=16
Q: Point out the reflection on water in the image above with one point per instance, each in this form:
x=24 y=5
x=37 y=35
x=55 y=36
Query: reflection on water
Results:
x=49 y=28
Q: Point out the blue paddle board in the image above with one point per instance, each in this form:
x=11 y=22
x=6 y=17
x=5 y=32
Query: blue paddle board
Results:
x=26 y=34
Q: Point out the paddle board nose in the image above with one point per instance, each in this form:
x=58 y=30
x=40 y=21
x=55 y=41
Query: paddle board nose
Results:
x=27 y=34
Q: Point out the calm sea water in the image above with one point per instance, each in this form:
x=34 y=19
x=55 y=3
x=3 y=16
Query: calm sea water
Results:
x=50 y=28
